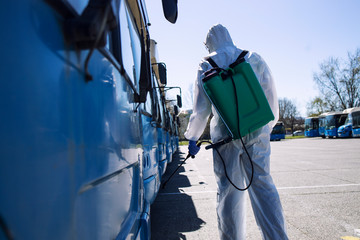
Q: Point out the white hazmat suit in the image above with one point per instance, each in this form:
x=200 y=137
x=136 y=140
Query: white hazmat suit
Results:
x=263 y=194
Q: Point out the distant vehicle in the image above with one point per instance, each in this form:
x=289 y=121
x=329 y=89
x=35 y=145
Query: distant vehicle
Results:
x=298 y=133
x=322 y=124
x=312 y=127
x=333 y=121
x=278 y=132
x=351 y=127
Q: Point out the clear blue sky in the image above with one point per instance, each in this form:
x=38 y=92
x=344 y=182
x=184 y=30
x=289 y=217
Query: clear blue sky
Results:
x=294 y=37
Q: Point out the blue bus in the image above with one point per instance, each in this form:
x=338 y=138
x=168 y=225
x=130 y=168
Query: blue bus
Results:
x=278 y=132
x=351 y=127
x=81 y=119
x=312 y=127
x=333 y=121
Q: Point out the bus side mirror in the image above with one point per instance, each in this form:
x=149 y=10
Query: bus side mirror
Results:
x=162 y=73
x=179 y=101
x=170 y=10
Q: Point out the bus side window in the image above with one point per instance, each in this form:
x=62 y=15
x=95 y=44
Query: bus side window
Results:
x=130 y=44
x=108 y=42
x=148 y=103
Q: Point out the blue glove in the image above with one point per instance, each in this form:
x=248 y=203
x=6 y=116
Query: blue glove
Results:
x=193 y=149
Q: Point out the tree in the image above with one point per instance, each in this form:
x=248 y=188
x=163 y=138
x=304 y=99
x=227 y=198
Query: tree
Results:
x=288 y=113
x=316 y=107
x=339 y=82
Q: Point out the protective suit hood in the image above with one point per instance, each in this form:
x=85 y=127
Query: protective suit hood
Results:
x=218 y=37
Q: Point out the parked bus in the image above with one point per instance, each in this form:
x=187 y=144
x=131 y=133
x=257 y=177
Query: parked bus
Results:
x=81 y=119
x=351 y=127
x=333 y=121
x=312 y=127
x=278 y=132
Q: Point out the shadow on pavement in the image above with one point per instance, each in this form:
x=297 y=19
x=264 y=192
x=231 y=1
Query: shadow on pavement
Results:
x=173 y=212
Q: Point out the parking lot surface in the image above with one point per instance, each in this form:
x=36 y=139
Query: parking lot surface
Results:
x=318 y=181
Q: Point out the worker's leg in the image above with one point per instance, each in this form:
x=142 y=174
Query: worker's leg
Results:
x=230 y=202
x=263 y=194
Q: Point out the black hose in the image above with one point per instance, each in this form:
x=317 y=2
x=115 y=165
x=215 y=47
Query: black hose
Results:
x=226 y=174
x=242 y=142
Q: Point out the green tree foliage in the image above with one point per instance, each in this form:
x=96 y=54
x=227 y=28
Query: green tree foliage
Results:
x=339 y=84
x=316 y=107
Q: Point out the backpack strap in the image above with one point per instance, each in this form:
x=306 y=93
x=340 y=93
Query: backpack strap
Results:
x=240 y=59
x=242 y=54
x=212 y=62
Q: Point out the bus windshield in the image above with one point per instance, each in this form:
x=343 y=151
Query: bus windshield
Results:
x=356 y=119
x=322 y=122
x=335 y=121
x=278 y=129
x=341 y=120
x=311 y=123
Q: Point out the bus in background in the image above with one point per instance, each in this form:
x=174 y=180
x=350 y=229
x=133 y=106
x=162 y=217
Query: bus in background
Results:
x=278 y=132
x=322 y=124
x=351 y=128
x=312 y=127
x=333 y=121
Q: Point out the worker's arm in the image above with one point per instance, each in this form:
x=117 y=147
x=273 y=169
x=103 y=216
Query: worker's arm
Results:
x=201 y=110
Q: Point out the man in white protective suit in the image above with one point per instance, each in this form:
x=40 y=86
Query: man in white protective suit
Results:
x=263 y=194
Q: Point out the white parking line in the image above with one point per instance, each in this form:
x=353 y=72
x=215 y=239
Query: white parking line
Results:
x=182 y=191
x=320 y=186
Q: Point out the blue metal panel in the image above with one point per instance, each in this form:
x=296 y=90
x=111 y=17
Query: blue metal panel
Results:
x=169 y=148
x=331 y=132
x=356 y=132
x=162 y=150
x=345 y=131
x=151 y=164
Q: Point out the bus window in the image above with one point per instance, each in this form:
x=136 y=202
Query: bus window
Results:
x=130 y=44
x=78 y=6
x=136 y=48
x=148 y=103
x=108 y=42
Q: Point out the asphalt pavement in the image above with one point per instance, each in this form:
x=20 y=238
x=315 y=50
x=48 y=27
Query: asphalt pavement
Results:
x=318 y=181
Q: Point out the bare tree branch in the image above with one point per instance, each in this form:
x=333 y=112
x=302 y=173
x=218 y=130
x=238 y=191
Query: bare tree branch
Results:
x=339 y=83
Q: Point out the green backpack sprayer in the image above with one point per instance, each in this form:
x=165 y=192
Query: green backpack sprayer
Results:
x=238 y=97
x=239 y=100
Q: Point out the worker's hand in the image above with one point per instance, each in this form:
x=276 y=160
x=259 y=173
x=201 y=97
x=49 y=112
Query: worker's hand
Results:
x=193 y=148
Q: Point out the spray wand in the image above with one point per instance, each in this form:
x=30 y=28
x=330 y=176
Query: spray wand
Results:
x=215 y=146
x=188 y=156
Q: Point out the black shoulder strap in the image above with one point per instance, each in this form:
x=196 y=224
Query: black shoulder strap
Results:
x=242 y=54
x=240 y=59
x=212 y=62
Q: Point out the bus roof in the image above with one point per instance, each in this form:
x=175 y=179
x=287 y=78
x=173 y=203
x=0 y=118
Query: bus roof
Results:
x=336 y=113
x=351 y=110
